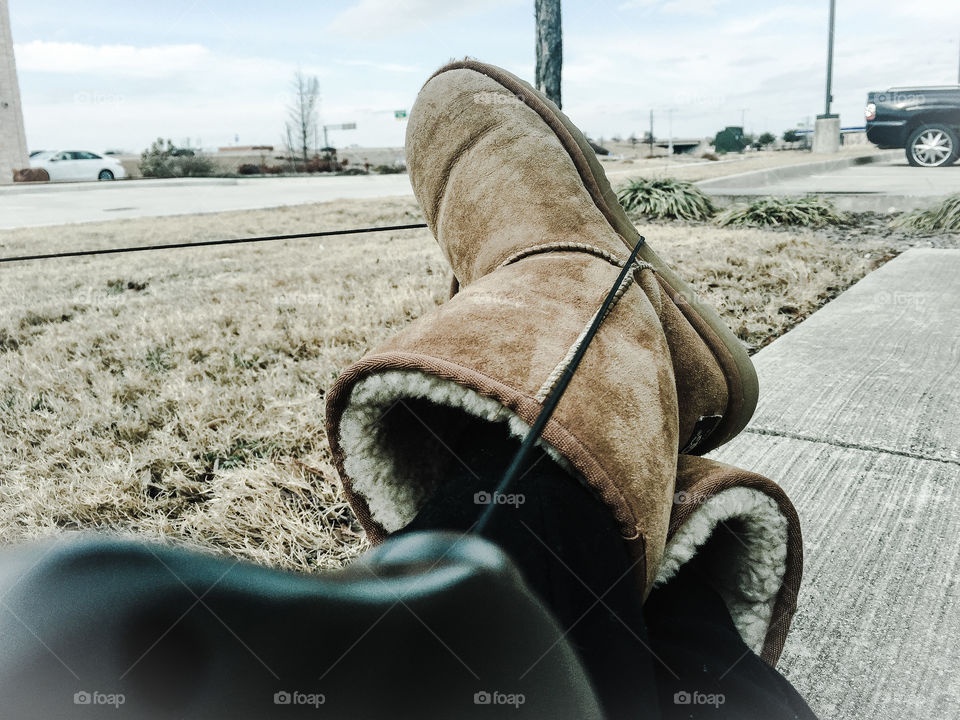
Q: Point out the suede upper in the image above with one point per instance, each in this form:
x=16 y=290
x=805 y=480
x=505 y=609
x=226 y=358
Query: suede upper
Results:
x=492 y=177
x=496 y=181
x=503 y=337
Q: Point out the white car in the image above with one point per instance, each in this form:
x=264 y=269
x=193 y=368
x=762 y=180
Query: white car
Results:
x=71 y=165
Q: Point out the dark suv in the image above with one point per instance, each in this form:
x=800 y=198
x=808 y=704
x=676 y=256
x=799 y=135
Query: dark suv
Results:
x=924 y=120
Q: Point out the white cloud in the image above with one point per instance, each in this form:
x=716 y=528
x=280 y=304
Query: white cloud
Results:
x=118 y=60
x=675 y=7
x=369 y=18
x=386 y=67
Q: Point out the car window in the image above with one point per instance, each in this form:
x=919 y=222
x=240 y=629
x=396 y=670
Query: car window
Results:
x=61 y=156
x=88 y=156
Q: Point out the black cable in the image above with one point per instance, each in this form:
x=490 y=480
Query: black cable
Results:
x=208 y=243
x=550 y=403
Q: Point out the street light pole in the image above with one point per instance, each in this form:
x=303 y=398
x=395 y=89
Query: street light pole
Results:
x=826 y=134
x=670 y=132
x=833 y=15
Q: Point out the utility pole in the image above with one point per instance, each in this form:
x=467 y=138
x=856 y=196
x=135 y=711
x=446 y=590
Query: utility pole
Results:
x=833 y=19
x=549 y=48
x=651 y=132
x=670 y=132
x=826 y=135
x=743 y=119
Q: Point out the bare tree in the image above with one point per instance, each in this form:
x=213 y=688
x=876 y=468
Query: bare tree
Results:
x=302 y=125
x=549 y=48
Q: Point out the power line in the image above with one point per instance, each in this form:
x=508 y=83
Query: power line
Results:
x=208 y=243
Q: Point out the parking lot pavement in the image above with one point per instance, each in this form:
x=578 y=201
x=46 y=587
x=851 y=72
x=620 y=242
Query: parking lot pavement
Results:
x=891 y=185
x=857 y=422
x=891 y=178
x=56 y=204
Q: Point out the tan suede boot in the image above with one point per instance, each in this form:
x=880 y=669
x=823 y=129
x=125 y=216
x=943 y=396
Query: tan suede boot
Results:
x=492 y=354
x=743 y=532
x=501 y=173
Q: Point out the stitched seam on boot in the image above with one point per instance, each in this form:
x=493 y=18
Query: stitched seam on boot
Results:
x=561 y=247
x=454 y=158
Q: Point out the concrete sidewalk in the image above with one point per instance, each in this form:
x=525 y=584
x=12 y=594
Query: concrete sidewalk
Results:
x=859 y=422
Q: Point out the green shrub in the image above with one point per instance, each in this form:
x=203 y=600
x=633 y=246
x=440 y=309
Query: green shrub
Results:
x=165 y=160
x=771 y=212
x=389 y=169
x=666 y=198
x=944 y=217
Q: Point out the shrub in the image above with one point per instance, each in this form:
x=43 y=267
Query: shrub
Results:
x=249 y=169
x=390 y=169
x=731 y=139
x=666 y=198
x=771 y=212
x=944 y=217
x=31 y=175
x=165 y=160
x=320 y=164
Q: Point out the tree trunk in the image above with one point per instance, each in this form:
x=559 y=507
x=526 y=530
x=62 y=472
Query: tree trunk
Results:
x=549 y=48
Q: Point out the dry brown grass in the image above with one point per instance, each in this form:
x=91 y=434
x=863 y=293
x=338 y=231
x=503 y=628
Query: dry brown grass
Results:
x=179 y=395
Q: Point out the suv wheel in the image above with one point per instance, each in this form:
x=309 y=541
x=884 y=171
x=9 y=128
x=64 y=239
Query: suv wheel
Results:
x=932 y=146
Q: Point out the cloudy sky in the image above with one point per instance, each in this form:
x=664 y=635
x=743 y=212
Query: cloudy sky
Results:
x=102 y=74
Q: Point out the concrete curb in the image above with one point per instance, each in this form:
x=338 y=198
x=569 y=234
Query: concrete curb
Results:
x=759 y=178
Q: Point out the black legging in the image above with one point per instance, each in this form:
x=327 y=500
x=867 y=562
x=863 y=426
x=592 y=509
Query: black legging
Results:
x=165 y=632
x=644 y=663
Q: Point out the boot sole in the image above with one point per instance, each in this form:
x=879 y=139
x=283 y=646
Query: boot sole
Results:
x=741 y=377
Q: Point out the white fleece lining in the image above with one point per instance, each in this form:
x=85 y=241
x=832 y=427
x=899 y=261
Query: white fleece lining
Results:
x=750 y=576
x=753 y=570
x=393 y=495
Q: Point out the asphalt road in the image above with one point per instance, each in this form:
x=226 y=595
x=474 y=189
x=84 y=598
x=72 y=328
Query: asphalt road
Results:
x=882 y=186
x=891 y=178
x=56 y=204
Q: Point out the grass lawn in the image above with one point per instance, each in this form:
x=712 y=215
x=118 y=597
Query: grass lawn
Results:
x=180 y=394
